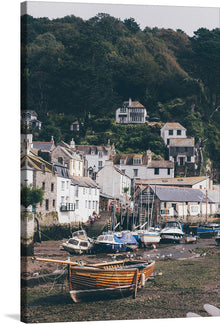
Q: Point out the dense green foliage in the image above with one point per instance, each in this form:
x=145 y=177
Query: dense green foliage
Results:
x=31 y=196
x=74 y=67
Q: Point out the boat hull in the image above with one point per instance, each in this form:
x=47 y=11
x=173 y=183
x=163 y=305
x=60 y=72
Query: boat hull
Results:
x=110 y=280
x=150 y=238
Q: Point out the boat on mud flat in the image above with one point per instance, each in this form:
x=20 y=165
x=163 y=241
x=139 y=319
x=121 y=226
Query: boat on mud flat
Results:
x=217 y=238
x=208 y=230
x=130 y=241
x=172 y=232
x=116 y=278
x=77 y=245
x=150 y=237
x=190 y=238
x=108 y=242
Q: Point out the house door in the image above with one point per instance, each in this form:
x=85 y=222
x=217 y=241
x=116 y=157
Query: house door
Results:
x=181 y=160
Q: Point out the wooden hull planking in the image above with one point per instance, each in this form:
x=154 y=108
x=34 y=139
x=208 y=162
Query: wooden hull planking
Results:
x=86 y=281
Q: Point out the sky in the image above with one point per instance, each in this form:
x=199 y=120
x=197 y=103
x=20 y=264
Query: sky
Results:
x=184 y=17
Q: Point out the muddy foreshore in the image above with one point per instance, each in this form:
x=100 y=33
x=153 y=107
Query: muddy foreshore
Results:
x=186 y=277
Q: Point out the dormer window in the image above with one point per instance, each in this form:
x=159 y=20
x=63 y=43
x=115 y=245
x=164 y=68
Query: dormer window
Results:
x=100 y=154
x=122 y=161
x=178 y=131
x=170 y=131
x=137 y=161
x=92 y=152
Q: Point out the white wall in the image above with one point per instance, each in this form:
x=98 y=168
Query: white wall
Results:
x=165 y=134
x=144 y=172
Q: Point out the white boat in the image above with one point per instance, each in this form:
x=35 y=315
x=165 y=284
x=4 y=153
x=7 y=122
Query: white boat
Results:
x=172 y=232
x=217 y=238
x=79 y=243
x=150 y=237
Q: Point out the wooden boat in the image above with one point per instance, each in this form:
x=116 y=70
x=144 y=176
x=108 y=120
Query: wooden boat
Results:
x=110 y=278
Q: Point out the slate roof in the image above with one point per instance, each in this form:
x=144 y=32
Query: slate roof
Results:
x=61 y=170
x=162 y=164
x=174 y=125
x=180 y=182
x=87 y=149
x=84 y=182
x=134 y=104
x=177 y=142
x=175 y=194
x=43 y=146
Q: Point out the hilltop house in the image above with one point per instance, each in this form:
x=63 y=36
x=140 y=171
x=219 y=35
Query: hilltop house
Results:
x=86 y=195
x=131 y=112
x=172 y=130
x=96 y=156
x=141 y=166
x=29 y=119
x=113 y=182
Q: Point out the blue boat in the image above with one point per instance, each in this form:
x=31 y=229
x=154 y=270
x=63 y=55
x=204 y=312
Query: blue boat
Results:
x=208 y=230
x=108 y=242
x=130 y=241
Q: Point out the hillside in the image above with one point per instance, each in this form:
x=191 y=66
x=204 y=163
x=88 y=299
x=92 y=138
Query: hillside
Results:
x=71 y=67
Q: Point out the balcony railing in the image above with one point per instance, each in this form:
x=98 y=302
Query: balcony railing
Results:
x=67 y=207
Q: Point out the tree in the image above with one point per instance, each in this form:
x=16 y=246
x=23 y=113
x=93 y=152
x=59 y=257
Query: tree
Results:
x=31 y=196
x=132 y=26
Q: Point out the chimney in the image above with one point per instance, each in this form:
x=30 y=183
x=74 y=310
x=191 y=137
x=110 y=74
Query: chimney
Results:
x=130 y=102
x=52 y=139
x=26 y=143
x=72 y=144
x=149 y=156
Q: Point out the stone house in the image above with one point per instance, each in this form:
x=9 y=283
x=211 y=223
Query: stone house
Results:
x=113 y=182
x=174 y=203
x=182 y=150
x=131 y=112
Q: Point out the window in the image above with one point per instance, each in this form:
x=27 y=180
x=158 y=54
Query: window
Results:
x=63 y=185
x=135 y=172
x=54 y=203
x=156 y=171
x=77 y=204
x=170 y=131
x=60 y=159
x=122 y=161
x=85 y=203
x=52 y=187
x=178 y=131
x=89 y=204
x=188 y=158
x=168 y=141
x=137 y=161
x=47 y=204
x=99 y=164
x=123 y=171
x=100 y=154
x=84 y=190
x=90 y=191
x=67 y=185
x=168 y=171
x=93 y=204
x=77 y=191
x=43 y=166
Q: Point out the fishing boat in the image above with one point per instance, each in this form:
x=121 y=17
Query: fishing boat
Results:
x=208 y=230
x=217 y=239
x=108 y=242
x=172 y=232
x=130 y=241
x=87 y=281
x=150 y=237
x=79 y=243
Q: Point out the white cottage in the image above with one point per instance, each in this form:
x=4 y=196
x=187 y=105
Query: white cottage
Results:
x=114 y=182
x=86 y=195
x=172 y=130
